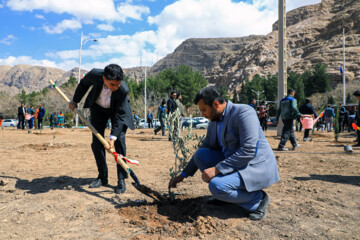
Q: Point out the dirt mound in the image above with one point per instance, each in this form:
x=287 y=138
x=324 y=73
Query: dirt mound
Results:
x=180 y=218
x=47 y=146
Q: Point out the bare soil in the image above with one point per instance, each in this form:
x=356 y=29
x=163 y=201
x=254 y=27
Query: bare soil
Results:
x=44 y=192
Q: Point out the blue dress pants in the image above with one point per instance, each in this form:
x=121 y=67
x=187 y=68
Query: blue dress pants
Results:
x=228 y=188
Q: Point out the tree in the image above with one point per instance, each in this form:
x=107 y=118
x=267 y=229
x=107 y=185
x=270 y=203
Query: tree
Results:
x=295 y=81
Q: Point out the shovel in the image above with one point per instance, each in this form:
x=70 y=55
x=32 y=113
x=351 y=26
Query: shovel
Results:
x=143 y=189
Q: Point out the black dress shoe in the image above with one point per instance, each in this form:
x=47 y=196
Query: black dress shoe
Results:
x=98 y=183
x=216 y=202
x=121 y=187
x=260 y=212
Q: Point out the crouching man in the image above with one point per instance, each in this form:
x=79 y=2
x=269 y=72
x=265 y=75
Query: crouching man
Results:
x=235 y=158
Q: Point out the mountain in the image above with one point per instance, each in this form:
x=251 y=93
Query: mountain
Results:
x=314 y=34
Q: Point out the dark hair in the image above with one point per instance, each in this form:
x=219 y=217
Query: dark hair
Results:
x=357 y=93
x=163 y=102
x=172 y=93
x=263 y=102
x=307 y=100
x=209 y=95
x=178 y=94
x=113 y=72
x=290 y=91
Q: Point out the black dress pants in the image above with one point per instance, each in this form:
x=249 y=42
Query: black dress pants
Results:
x=288 y=133
x=99 y=119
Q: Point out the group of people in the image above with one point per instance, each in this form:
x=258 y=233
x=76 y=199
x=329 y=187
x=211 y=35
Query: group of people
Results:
x=166 y=107
x=235 y=159
x=29 y=116
x=288 y=111
x=263 y=113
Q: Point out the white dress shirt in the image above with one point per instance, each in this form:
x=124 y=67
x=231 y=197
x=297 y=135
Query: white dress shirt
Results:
x=104 y=101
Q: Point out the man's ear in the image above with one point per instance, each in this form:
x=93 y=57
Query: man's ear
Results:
x=215 y=104
x=104 y=78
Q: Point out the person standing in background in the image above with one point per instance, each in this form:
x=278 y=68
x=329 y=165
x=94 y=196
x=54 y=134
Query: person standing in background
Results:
x=150 y=118
x=21 y=116
x=31 y=112
x=262 y=115
x=357 y=95
x=329 y=116
x=307 y=109
x=180 y=105
x=161 y=115
x=41 y=116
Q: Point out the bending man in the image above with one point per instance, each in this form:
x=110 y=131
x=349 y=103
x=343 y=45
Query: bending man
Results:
x=235 y=158
x=107 y=99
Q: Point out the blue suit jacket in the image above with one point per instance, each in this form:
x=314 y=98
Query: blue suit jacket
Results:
x=246 y=149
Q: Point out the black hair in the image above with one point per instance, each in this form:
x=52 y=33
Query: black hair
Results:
x=307 y=100
x=290 y=91
x=263 y=102
x=113 y=72
x=209 y=95
x=172 y=93
x=178 y=94
x=163 y=102
x=357 y=93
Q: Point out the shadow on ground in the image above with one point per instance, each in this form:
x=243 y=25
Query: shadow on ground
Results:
x=352 y=180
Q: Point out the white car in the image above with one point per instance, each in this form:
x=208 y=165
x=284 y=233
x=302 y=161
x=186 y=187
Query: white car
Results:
x=144 y=124
x=202 y=125
x=201 y=119
x=9 y=123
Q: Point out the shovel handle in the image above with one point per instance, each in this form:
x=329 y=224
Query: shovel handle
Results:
x=95 y=132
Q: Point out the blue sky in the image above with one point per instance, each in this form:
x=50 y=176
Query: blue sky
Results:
x=48 y=32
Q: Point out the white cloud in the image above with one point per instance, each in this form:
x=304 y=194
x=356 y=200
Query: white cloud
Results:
x=40 y=16
x=106 y=27
x=103 y=10
x=11 y=61
x=62 y=26
x=210 y=19
x=8 y=39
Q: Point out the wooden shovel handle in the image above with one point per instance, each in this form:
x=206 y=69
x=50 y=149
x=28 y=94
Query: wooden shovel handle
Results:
x=94 y=131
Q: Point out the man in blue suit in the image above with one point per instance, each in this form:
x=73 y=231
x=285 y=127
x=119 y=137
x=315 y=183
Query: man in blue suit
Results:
x=235 y=158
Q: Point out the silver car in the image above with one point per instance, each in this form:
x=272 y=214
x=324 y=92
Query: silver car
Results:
x=10 y=123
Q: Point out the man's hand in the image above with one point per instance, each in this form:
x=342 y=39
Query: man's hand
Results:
x=209 y=174
x=111 y=145
x=175 y=181
x=73 y=105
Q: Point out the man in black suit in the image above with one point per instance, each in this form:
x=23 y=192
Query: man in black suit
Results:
x=171 y=107
x=107 y=99
x=21 y=116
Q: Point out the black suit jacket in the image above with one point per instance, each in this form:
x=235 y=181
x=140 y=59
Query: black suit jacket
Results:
x=171 y=105
x=120 y=108
x=21 y=112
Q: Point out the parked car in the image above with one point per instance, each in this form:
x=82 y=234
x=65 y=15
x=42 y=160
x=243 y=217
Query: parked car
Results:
x=144 y=123
x=271 y=122
x=10 y=123
x=186 y=123
x=202 y=125
x=202 y=119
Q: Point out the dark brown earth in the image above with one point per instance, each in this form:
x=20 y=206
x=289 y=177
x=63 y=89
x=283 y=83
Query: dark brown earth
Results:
x=44 y=192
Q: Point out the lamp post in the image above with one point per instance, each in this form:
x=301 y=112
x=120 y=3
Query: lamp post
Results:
x=342 y=69
x=82 y=42
x=258 y=96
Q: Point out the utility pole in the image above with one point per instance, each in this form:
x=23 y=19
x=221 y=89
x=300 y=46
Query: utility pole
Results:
x=343 y=74
x=82 y=43
x=145 y=97
x=258 y=96
x=282 y=66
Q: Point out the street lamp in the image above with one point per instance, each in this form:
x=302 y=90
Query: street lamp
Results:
x=82 y=42
x=258 y=96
